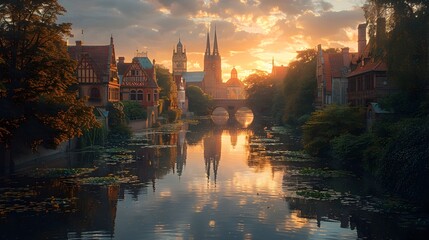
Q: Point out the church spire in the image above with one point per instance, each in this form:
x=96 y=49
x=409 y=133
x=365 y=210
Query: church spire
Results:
x=208 y=45
x=215 y=49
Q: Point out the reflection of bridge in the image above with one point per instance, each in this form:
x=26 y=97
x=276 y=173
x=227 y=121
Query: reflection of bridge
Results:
x=230 y=105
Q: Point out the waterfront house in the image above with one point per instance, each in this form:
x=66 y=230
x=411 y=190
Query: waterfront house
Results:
x=138 y=83
x=96 y=72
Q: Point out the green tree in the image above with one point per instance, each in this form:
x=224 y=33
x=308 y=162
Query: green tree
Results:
x=167 y=85
x=199 y=102
x=407 y=24
x=118 y=128
x=299 y=87
x=38 y=103
x=326 y=124
x=260 y=91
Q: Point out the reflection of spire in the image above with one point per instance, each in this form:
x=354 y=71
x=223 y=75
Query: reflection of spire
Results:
x=181 y=153
x=212 y=152
x=233 y=135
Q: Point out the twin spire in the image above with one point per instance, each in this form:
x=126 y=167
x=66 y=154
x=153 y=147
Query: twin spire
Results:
x=215 y=47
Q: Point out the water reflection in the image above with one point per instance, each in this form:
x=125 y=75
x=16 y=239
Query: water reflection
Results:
x=203 y=181
x=242 y=118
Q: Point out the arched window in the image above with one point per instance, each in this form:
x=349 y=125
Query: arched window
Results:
x=94 y=94
x=133 y=95
x=140 y=95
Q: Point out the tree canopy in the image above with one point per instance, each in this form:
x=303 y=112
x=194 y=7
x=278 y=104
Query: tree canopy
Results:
x=38 y=86
x=299 y=86
x=199 y=102
x=166 y=83
x=407 y=24
x=260 y=89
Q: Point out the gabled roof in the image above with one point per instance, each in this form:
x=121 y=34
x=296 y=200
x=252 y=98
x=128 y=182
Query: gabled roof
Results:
x=193 y=76
x=122 y=68
x=99 y=57
x=369 y=66
x=144 y=62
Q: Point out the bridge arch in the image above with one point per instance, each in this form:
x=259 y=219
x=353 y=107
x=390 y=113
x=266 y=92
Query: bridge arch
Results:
x=230 y=105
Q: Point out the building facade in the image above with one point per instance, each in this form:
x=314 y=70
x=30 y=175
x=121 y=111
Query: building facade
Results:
x=235 y=87
x=179 y=63
x=138 y=83
x=212 y=83
x=96 y=72
x=369 y=82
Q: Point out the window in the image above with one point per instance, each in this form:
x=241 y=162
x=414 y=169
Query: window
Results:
x=155 y=95
x=148 y=97
x=133 y=95
x=140 y=95
x=94 y=94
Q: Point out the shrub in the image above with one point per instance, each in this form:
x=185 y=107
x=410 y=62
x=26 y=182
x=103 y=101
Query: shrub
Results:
x=350 y=150
x=404 y=166
x=328 y=123
x=133 y=110
x=174 y=115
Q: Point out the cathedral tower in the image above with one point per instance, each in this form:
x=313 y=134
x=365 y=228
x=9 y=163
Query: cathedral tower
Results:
x=213 y=84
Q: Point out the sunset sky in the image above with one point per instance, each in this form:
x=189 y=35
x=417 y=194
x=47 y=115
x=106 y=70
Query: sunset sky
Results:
x=250 y=32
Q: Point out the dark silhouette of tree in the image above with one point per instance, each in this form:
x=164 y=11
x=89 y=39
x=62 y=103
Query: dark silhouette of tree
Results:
x=38 y=103
x=199 y=102
x=299 y=87
x=261 y=90
x=404 y=46
x=168 y=87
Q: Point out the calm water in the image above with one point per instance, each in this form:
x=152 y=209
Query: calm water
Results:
x=197 y=181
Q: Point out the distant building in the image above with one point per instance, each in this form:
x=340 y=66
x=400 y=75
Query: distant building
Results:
x=96 y=72
x=235 y=87
x=209 y=80
x=138 y=83
x=278 y=72
x=179 y=63
x=331 y=74
x=212 y=83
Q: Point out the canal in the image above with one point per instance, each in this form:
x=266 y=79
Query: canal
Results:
x=207 y=179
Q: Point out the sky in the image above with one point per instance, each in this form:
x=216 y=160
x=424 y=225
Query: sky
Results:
x=251 y=33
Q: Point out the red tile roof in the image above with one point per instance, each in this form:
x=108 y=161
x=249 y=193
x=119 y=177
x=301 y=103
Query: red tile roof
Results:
x=99 y=57
x=369 y=66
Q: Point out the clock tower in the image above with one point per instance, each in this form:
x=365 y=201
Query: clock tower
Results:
x=179 y=63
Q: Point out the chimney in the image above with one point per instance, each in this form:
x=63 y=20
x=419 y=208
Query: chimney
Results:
x=121 y=60
x=361 y=38
x=79 y=43
x=346 y=56
x=380 y=31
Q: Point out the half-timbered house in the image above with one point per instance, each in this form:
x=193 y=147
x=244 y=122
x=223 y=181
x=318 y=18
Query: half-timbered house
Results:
x=96 y=72
x=138 y=83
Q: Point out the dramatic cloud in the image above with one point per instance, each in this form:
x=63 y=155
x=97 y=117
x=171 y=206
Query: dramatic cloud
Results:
x=250 y=32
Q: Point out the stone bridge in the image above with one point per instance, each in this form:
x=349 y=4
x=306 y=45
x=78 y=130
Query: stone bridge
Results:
x=230 y=105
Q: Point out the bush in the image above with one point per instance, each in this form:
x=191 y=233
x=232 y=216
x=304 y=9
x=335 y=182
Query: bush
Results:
x=326 y=124
x=350 y=150
x=404 y=166
x=133 y=110
x=119 y=133
x=174 y=115
x=118 y=129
